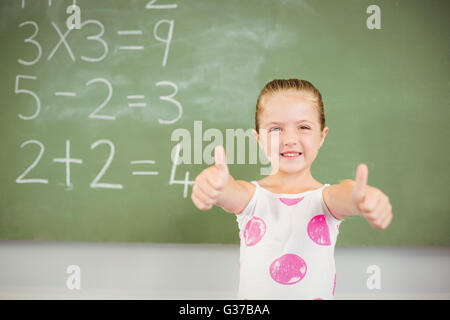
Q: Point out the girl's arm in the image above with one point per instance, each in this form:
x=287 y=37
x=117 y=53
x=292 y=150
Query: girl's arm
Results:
x=337 y=197
x=351 y=198
x=236 y=195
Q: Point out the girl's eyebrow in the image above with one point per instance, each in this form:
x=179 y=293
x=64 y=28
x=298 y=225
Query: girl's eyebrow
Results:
x=275 y=122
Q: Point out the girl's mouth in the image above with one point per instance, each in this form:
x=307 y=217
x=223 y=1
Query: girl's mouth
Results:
x=291 y=155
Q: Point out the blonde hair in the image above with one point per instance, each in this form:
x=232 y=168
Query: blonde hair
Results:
x=303 y=86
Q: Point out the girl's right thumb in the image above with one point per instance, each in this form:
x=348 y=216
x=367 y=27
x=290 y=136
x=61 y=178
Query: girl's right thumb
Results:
x=220 y=159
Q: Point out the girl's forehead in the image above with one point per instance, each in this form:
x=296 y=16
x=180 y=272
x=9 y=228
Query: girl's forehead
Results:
x=287 y=107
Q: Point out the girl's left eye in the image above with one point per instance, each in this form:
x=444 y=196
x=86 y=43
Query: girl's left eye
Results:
x=278 y=128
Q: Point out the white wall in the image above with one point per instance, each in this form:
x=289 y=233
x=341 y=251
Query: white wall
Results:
x=37 y=270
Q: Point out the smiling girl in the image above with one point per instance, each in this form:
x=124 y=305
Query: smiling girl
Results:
x=288 y=221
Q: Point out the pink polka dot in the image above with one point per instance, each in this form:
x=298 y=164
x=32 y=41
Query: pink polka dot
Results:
x=318 y=230
x=291 y=202
x=254 y=231
x=318 y=299
x=288 y=269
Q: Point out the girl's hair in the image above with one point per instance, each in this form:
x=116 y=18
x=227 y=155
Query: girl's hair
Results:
x=303 y=86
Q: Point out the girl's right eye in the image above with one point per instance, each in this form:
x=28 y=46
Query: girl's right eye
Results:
x=274 y=129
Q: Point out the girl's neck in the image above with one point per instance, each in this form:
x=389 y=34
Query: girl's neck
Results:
x=283 y=182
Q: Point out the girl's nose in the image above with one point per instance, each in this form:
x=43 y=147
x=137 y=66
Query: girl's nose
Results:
x=290 y=137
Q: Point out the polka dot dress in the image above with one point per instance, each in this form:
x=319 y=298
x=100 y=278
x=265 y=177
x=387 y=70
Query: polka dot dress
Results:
x=287 y=246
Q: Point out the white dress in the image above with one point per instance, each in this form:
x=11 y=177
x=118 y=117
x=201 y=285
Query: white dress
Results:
x=287 y=246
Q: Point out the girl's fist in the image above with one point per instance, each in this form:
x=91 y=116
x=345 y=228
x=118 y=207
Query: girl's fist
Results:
x=209 y=184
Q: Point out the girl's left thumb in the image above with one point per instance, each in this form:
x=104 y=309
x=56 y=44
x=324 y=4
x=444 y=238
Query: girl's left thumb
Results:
x=358 y=192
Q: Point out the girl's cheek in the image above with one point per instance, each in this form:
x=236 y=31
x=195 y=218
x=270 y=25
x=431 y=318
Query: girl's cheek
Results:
x=274 y=142
x=270 y=147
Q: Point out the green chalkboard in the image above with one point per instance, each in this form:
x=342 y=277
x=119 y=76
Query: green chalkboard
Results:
x=87 y=115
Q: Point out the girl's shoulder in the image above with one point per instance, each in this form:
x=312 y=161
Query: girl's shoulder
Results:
x=247 y=195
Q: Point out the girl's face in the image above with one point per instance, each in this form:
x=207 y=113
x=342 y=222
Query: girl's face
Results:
x=290 y=124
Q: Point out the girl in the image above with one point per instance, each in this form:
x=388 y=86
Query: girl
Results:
x=289 y=221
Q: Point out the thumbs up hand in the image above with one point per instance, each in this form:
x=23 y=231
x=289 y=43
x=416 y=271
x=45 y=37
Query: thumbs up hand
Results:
x=209 y=184
x=220 y=163
x=371 y=202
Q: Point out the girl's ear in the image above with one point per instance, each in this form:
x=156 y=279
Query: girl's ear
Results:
x=256 y=135
x=324 y=134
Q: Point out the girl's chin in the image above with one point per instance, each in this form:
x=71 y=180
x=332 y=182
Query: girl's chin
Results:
x=292 y=168
x=290 y=165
